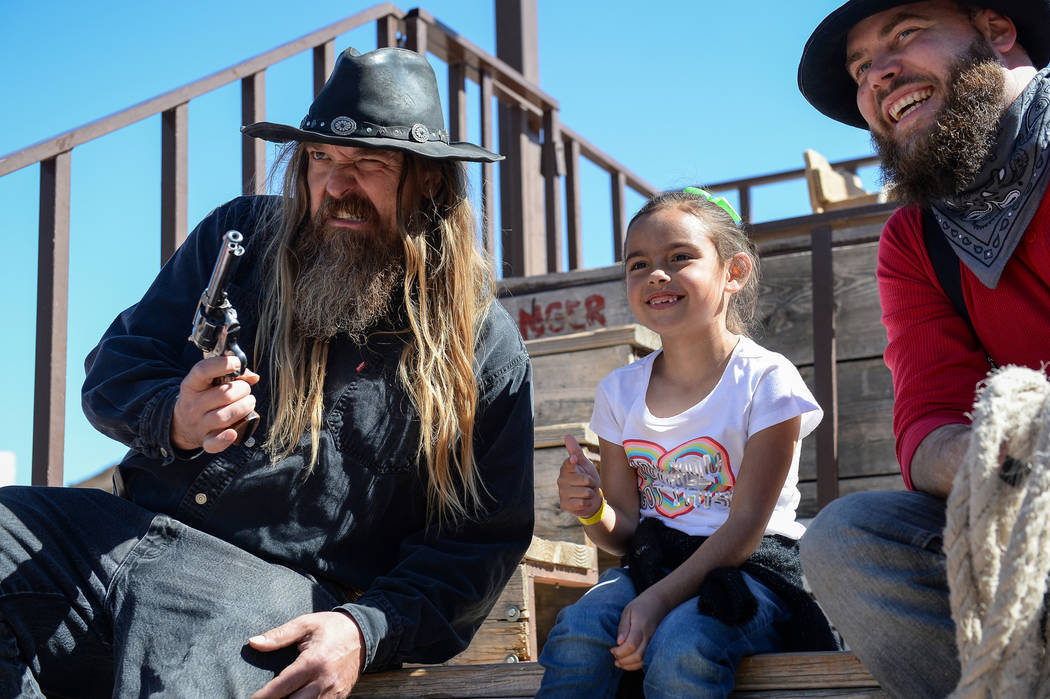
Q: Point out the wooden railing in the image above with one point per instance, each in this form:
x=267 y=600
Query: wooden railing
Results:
x=524 y=103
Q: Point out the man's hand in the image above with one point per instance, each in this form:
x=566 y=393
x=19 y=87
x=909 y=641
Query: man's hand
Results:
x=578 y=482
x=638 y=623
x=204 y=412
x=331 y=653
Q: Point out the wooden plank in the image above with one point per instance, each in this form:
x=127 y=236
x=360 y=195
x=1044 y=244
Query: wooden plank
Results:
x=324 y=62
x=866 y=444
x=554 y=435
x=468 y=682
x=488 y=171
x=825 y=376
x=253 y=150
x=785 y=305
x=564 y=384
x=174 y=178
x=802 y=671
x=52 y=303
x=570 y=310
x=774 y=674
x=633 y=335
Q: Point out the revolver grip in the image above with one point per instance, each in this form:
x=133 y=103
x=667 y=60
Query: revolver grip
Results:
x=246 y=427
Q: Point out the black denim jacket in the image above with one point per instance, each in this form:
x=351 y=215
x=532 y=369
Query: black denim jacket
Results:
x=358 y=521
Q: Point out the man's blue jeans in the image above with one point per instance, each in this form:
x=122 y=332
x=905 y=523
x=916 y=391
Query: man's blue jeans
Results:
x=99 y=598
x=690 y=655
x=876 y=565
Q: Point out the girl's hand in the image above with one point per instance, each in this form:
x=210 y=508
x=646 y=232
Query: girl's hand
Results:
x=579 y=486
x=637 y=625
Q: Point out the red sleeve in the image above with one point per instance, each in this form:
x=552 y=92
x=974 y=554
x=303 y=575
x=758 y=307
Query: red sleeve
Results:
x=932 y=353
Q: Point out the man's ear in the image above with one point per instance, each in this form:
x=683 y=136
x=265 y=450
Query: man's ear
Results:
x=998 y=30
x=738 y=271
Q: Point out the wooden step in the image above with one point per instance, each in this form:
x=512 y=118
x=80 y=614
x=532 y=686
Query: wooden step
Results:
x=832 y=674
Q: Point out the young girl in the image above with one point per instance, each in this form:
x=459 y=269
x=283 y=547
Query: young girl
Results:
x=699 y=448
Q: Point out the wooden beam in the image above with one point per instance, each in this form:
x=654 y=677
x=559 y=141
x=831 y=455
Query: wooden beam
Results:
x=824 y=365
x=324 y=61
x=174 y=178
x=457 y=102
x=573 y=220
x=552 y=169
x=415 y=33
x=488 y=171
x=253 y=150
x=52 y=289
x=619 y=213
x=386 y=32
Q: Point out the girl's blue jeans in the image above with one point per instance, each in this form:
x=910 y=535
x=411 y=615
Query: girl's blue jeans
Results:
x=689 y=655
x=100 y=598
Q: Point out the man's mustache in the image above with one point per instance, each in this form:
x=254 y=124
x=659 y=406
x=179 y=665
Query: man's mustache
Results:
x=350 y=206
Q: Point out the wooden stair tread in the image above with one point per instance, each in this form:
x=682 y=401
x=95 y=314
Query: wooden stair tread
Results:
x=795 y=674
x=632 y=334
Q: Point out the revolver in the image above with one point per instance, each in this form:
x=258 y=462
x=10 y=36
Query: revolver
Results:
x=216 y=328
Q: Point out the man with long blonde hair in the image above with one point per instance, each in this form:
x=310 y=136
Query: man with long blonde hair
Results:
x=386 y=496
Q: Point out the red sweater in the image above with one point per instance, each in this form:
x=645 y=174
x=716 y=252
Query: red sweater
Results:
x=935 y=360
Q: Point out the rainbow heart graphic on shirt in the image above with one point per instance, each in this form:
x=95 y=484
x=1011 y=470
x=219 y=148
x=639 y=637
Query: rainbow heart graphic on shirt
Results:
x=703 y=461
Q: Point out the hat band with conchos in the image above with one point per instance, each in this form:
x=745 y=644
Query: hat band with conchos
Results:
x=387 y=98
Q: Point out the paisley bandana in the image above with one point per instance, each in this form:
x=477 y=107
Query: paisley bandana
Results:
x=985 y=223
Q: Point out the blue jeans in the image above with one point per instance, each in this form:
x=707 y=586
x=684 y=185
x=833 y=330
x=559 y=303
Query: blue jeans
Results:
x=876 y=565
x=689 y=655
x=100 y=598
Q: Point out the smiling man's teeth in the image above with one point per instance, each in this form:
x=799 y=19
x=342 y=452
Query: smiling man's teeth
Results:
x=908 y=102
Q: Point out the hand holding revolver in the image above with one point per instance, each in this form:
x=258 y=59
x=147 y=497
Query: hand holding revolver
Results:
x=215 y=407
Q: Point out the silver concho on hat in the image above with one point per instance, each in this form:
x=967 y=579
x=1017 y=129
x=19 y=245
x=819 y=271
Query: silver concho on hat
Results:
x=420 y=133
x=343 y=126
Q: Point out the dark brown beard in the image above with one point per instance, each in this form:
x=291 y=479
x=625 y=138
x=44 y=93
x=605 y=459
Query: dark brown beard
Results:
x=946 y=159
x=346 y=279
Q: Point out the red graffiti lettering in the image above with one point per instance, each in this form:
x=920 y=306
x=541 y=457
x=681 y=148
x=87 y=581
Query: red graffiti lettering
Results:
x=531 y=324
x=555 y=318
x=595 y=304
x=570 y=313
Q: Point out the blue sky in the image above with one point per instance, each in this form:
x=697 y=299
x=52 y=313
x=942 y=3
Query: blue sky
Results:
x=680 y=93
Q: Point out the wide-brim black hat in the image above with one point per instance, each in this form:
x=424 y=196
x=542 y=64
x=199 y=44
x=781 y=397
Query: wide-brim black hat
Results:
x=387 y=98
x=822 y=75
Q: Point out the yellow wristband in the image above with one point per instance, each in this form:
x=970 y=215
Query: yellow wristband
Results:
x=596 y=517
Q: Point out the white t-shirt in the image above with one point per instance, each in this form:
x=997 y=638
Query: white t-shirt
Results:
x=687 y=464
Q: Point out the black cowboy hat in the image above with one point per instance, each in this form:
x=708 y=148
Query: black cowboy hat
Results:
x=822 y=75
x=387 y=98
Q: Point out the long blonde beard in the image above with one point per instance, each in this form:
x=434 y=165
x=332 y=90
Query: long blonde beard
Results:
x=448 y=286
x=345 y=282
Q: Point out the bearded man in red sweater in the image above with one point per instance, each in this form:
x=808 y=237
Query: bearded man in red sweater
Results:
x=957 y=99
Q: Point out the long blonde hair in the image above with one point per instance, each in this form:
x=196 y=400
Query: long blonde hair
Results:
x=448 y=287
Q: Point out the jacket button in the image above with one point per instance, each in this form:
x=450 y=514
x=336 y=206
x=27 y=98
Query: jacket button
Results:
x=200 y=498
x=164 y=452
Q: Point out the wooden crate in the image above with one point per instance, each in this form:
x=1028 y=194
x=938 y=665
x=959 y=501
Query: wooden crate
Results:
x=510 y=632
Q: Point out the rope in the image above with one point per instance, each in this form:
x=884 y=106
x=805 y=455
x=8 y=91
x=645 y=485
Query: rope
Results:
x=997 y=541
